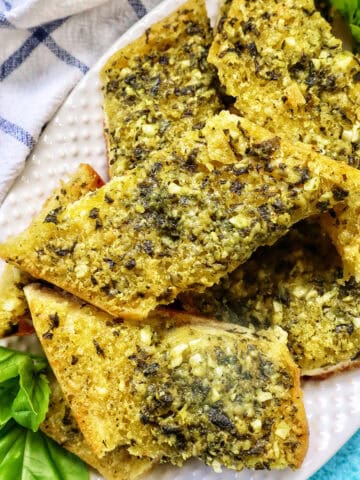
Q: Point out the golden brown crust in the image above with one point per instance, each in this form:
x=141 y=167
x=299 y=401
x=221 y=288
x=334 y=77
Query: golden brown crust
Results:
x=323 y=374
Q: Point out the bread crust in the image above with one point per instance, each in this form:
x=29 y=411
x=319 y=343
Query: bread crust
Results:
x=61 y=426
x=326 y=372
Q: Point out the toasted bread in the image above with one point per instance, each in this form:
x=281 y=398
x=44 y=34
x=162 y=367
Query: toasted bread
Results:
x=175 y=387
x=292 y=76
x=61 y=426
x=159 y=87
x=161 y=229
x=13 y=307
x=297 y=284
x=343 y=227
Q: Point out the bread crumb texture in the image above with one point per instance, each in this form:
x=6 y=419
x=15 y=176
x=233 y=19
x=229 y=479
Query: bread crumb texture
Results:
x=61 y=426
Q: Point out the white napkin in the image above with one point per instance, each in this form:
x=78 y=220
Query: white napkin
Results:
x=46 y=46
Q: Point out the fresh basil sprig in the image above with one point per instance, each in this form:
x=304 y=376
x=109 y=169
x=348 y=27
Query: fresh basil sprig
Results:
x=24 y=389
x=33 y=456
x=24 y=401
x=350 y=10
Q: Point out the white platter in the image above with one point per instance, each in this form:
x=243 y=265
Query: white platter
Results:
x=74 y=136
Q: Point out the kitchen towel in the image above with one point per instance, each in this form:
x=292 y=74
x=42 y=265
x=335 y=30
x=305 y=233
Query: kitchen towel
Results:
x=345 y=465
x=46 y=46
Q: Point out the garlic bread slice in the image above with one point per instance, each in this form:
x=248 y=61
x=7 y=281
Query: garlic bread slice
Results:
x=14 y=313
x=159 y=87
x=297 y=284
x=181 y=222
x=175 y=387
x=291 y=75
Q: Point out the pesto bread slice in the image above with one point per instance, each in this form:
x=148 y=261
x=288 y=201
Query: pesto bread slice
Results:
x=61 y=426
x=183 y=220
x=292 y=76
x=14 y=313
x=175 y=387
x=297 y=284
x=159 y=87
x=289 y=74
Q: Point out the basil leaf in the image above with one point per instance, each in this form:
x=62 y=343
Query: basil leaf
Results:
x=24 y=389
x=355 y=30
x=33 y=456
x=11 y=361
x=350 y=10
x=8 y=392
x=31 y=403
x=11 y=446
x=347 y=8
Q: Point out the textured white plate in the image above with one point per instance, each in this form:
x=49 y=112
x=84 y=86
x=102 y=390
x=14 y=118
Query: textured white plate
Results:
x=74 y=136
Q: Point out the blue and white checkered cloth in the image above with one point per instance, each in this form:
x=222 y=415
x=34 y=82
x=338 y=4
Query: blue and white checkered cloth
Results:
x=46 y=46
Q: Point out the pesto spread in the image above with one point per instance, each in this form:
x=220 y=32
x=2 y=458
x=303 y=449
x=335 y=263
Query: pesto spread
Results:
x=158 y=88
x=290 y=74
x=182 y=220
x=297 y=284
x=214 y=394
x=175 y=387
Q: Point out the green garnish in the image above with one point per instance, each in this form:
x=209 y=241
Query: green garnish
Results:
x=24 y=400
x=350 y=10
x=24 y=389
x=33 y=456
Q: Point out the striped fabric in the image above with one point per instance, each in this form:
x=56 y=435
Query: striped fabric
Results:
x=46 y=42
